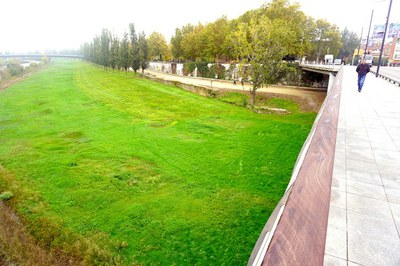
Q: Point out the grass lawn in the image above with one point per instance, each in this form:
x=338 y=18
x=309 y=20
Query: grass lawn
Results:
x=124 y=170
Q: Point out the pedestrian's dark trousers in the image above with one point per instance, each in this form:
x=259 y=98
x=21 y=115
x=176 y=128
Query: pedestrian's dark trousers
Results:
x=361 y=79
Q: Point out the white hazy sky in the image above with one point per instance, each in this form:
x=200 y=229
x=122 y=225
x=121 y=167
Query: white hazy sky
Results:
x=30 y=25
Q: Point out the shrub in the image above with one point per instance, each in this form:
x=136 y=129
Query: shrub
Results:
x=289 y=74
x=15 y=69
x=203 y=69
x=221 y=71
x=6 y=195
x=188 y=68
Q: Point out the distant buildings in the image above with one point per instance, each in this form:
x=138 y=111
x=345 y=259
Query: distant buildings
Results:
x=393 y=31
x=394 y=56
x=391 y=50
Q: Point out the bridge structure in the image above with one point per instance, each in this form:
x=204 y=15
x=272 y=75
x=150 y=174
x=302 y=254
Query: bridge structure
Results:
x=40 y=56
x=342 y=205
x=323 y=69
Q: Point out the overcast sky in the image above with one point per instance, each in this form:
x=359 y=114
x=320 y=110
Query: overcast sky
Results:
x=30 y=25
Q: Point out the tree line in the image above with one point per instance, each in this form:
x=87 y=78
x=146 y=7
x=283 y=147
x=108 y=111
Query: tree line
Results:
x=232 y=40
x=111 y=51
x=227 y=40
x=261 y=42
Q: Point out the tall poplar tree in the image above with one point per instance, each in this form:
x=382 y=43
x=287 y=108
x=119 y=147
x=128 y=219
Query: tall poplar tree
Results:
x=96 y=50
x=105 y=48
x=114 y=52
x=176 y=47
x=124 y=53
x=143 y=51
x=134 y=52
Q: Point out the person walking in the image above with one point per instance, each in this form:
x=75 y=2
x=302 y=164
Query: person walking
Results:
x=362 y=70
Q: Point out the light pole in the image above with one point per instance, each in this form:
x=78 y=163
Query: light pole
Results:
x=369 y=30
x=359 y=46
x=383 y=40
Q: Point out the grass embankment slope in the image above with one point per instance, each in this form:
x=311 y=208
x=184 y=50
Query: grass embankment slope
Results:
x=120 y=169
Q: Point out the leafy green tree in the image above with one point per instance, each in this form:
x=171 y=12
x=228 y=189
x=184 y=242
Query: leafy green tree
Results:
x=183 y=43
x=201 y=44
x=14 y=67
x=134 y=48
x=296 y=21
x=86 y=50
x=216 y=39
x=176 y=47
x=269 y=44
x=240 y=41
x=105 y=47
x=298 y=24
x=143 y=51
x=263 y=37
x=326 y=39
x=114 y=52
x=350 y=42
x=124 y=53
x=158 y=47
x=97 y=50
x=193 y=42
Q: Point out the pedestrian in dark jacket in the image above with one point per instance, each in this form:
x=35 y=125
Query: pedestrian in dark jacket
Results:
x=362 y=70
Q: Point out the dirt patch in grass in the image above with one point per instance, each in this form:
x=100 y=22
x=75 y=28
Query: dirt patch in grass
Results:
x=18 y=247
x=10 y=82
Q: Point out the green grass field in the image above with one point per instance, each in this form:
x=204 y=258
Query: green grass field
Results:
x=117 y=169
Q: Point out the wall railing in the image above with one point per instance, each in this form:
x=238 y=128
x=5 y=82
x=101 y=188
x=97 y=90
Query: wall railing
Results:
x=295 y=233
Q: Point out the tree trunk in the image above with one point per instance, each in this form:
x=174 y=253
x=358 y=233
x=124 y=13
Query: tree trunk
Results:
x=253 y=97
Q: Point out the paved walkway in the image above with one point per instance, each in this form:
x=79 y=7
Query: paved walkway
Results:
x=393 y=72
x=364 y=217
x=228 y=85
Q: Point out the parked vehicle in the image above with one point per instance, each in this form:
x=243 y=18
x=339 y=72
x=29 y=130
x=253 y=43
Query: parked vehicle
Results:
x=337 y=62
x=328 y=59
x=368 y=59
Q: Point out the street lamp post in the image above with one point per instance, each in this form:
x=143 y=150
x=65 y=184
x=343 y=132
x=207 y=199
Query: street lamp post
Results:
x=359 y=46
x=369 y=30
x=383 y=40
